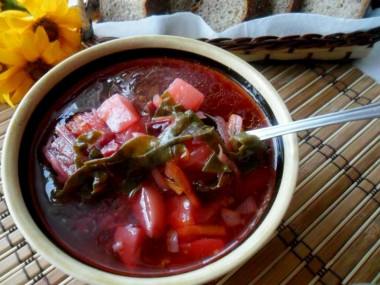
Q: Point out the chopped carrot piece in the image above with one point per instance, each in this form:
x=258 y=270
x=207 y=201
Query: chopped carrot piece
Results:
x=179 y=182
x=201 y=230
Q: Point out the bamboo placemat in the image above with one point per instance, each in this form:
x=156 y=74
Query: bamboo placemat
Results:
x=331 y=232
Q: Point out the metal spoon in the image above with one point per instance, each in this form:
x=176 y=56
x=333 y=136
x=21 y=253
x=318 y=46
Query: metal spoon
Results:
x=364 y=112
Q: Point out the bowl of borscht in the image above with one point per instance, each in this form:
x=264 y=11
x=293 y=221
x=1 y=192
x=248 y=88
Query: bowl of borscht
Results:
x=128 y=163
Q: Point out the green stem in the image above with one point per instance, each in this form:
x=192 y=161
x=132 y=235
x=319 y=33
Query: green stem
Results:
x=11 y=5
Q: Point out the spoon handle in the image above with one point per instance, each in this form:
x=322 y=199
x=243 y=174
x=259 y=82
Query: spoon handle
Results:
x=364 y=112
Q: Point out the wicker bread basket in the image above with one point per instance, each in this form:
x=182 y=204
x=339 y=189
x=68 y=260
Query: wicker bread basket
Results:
x=312 y=46
x=338 y=46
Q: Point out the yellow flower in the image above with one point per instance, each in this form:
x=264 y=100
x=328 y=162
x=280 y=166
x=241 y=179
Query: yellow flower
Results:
x=59 y=21
x=9 y=15
x=25 y=59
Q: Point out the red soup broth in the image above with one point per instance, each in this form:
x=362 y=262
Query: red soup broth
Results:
x=105 y=231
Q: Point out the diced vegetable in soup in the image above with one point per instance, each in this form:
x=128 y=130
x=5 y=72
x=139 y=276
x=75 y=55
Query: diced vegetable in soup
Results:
x=185 y=94
x=159 y=177
x=117 y=113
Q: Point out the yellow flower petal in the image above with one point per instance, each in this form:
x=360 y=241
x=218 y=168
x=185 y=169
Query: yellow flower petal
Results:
x=26 y=51
x=33 y=7
x=9 y=57
x=29 y=49
x=3 y=24
x=10 y=85
x=19 y=23
x=9 y=73
x=69 y=50
x=5 y=98
x=49 y=7
x=15 y=13
x=22 y=90
x=11 y=40
x=61 y=7
x=5 y=15
x=41 y=40
x=70 y=19
x=2 y=44
x=53 y=54
x=70 y=37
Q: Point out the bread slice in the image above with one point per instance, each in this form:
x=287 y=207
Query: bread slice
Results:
x=222 y=14
x=280 y=6
x=127 y=10
x=183 y=5
x=286 y=6
x=336 y=8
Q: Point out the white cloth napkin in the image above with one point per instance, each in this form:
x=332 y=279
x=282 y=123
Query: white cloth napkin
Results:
x=192 y=26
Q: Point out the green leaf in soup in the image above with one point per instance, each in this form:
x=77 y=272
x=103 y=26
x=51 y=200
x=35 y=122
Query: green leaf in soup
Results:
x=222 y=180
x=131 y=164
x=248 y=150
x=214 y=165
x=186 y=125
x=122 y=171
x=168 y=106
x=81 y=147
x=126 y=168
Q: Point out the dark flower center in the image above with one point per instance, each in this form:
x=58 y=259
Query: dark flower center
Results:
x=37 y=69
x=3 y=67
x=50 y=27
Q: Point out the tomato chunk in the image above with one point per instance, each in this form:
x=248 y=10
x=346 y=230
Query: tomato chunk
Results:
x=118 y=113
x=127 y=244
x=149 y=209
x=203 y=247
x=82 y=123
x=157 y=100
x=60 y=153
x=181 y=212
x=185 y=94
x=256 y=181
x=231 y=218
x=199 y=153
x=110 y=148
x=172 y=241
x=212 y=210
x=128 y=133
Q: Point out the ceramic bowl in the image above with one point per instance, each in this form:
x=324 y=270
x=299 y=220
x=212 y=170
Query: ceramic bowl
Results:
x=11 y=161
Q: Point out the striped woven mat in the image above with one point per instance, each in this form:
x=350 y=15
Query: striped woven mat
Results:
x=331 y=232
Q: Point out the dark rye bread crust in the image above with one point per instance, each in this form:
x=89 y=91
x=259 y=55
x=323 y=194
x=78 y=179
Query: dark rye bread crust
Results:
x=285 y=6
x=257 y=8
x=294 y=6
x=153 y=7
x=183 y=5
